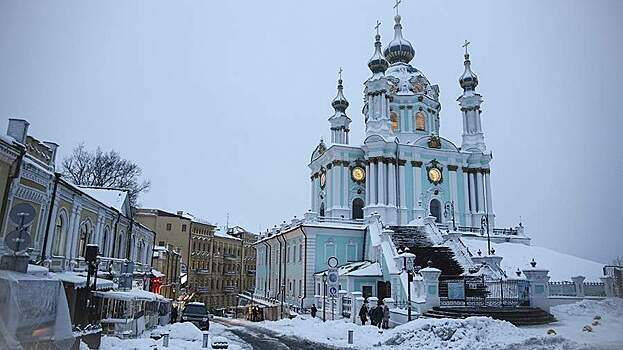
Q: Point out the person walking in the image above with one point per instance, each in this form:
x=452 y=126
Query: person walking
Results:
x=314 y=310
x=385 y=316
x=363 y=314
x=174 y=314
x=377 y=315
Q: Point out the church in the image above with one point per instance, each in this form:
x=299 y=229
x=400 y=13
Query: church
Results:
x=402 y=199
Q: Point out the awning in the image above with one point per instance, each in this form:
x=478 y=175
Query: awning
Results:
x=132 y=294
x=80 y=281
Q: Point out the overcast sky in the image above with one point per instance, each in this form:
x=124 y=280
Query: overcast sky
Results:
x=222 y=102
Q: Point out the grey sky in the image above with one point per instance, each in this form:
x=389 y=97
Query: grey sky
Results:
x=222 y=102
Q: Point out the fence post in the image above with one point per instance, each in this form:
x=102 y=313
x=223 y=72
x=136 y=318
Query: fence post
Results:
x=357 y=302
x=539 y=287
x=608 y=285
x=372 y=301
x=579 y=286
x=340 y=302
x=431 y=283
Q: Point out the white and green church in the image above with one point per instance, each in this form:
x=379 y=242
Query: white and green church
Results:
x=403 y=186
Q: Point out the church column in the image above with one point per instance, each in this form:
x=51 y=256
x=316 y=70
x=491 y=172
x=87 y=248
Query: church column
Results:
x=417 y=181
x=368 y=173
x=335 y=189
x=487 y=175
x=372 y=180
x=313 y=194
x=401 y=183
x=453 y=188
x=391 y=181
x=381 y=182
x=472 y=193
x=481 y=191
x=345 y=175
x=467 y=220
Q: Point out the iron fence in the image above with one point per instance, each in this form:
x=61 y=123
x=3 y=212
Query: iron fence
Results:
x=470 y=291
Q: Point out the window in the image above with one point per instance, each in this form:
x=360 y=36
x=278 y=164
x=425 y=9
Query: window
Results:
x=161 y=243
x=420 y=123
x=168 y=227
x=106 y=234
x=59 y=233
x=85 y=236
x=435 y=210
x=183 y=227
x=351 y=252
x=393 y=117
x=358 y=208
x=300 y=288
x=301 y=252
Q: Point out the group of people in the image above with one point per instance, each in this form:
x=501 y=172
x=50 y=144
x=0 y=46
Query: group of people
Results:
x=379 y=315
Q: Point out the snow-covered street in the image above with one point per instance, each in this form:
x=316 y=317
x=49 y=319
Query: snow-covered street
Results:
x=474 y=332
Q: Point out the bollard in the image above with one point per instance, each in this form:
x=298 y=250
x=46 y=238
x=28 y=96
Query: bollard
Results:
x=165 y=340
x=350 y=336
x=205 y=339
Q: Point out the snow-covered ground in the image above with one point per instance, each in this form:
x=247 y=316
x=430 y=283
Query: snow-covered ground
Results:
x=473 y=333
x=182 y=336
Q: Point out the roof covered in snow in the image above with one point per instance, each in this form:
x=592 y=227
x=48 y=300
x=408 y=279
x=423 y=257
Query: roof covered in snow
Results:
x=220 y=233
x=518 y=256
x=114 y=198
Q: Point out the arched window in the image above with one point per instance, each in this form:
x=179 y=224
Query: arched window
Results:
x=85 y=237
x=357 y=208
x=321 y=209
x=58 y=245
x=105 y=237
x=393 y=117
x=435 y=210
x=121 y=245
x=420 y=121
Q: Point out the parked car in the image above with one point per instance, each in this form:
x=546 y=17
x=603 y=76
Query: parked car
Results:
x=196 y=313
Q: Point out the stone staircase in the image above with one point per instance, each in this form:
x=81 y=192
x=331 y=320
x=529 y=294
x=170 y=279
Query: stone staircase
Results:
x=524 y=316
x=419 y=243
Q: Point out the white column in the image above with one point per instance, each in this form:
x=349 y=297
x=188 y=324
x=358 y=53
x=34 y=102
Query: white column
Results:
x=313 y=196
x=402 y=185
x=488 y=186
x=391 y=181
x=373 y=182
x=345 y=175
x=453 y=191
x=336 y=185
x=73 y=242
x=481 y=192
x=417 y=177
x=381 y=183
x=467 y=221
x=368 y=184
x=472 y=192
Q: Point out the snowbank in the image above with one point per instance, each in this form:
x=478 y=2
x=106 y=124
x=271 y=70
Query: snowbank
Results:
x=471 y=333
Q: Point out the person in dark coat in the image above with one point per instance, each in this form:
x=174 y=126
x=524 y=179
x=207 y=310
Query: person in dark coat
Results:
x=377 y=316
x=314 y=310
x=385 y=316
x=363 y=314
x=174 y=314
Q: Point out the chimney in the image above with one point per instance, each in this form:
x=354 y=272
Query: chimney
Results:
x=18 y=129
x=53 y=147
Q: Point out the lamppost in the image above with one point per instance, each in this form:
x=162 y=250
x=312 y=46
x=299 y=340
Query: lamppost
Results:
x=283 y=297
x=407 y=266
x=324 y=297
x=485 y=221
x=450 y=210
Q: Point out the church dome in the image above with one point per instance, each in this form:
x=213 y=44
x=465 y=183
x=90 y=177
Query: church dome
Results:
x=378 y=63
x=399 y=49
x=339 y=102
x=468 y=80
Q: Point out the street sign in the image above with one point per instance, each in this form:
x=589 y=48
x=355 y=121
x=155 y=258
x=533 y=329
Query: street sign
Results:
x=22 y=214
x=17 y=240
x=333 y=278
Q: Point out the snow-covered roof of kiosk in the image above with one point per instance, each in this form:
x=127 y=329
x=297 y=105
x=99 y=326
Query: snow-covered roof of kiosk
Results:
x=80 y=281
x=518 y=256
x=133 y=294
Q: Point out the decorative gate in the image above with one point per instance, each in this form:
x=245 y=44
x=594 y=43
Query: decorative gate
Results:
x=474 y=291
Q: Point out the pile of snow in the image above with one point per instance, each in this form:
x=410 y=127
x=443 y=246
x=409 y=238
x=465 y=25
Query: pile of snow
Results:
x=471 y=333
x=610 y=307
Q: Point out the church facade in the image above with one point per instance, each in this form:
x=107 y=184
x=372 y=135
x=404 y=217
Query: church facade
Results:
x=404 y=169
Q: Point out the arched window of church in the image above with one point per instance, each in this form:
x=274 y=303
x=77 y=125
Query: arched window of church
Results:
x=357 y=208
x=420 y=121
x=393 y=117
x=435 y=210
x=85 y=237
x=321 y=209
x=59 y=234
x=105 y=237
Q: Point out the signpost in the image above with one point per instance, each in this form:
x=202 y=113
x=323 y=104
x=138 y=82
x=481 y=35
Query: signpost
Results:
x=333 y=283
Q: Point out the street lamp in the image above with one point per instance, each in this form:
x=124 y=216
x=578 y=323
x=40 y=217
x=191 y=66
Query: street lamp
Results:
x=484 y=220
x=407 y=266
x=324 y=297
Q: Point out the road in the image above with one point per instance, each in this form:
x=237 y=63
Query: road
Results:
x=262 y=339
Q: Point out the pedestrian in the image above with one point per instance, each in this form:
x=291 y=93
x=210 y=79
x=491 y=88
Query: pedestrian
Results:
x=385 y=316
x=174 y=314
x=377 y=315
x=363 y=314
x=314 y=310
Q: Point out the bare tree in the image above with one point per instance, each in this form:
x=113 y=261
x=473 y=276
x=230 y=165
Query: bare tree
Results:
x=104 y=169
x=618 y=261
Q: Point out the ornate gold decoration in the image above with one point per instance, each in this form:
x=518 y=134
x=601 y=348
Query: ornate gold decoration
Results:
x=434 y=170
x=434 y=141
x=323 y=178
x=358 y=174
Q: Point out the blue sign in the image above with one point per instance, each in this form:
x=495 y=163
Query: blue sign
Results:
x=456 y=291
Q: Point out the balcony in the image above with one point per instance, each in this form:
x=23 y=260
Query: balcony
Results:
x=230 y=289
x=250 y=272
x=203 y=290
x=230 y=256
x=230 y=273
x=202 y=271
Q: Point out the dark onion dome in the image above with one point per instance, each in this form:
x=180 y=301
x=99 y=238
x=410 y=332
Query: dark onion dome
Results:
x=339 y=102
x=468 y=80
x=399 y=49
x=378 y=63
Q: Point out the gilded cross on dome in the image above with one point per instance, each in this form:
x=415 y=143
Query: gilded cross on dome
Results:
x=378 y=24
x=396 y=6
x=465 y=46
